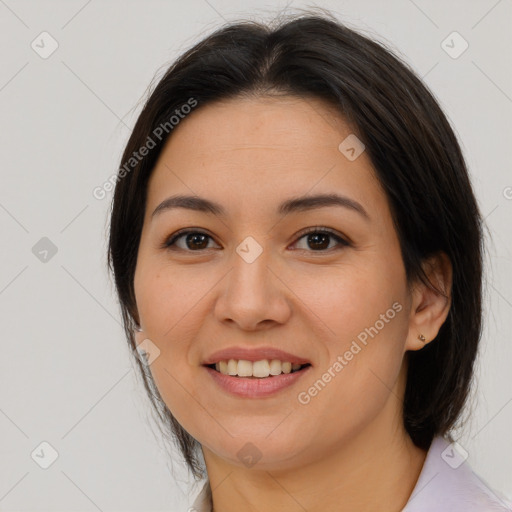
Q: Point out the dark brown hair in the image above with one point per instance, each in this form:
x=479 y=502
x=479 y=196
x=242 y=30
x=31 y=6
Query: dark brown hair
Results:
x=412 y=147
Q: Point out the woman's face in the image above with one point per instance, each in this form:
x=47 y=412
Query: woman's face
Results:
x=251 y=281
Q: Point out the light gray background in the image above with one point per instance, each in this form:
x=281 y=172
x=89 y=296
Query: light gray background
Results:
x=66 y=374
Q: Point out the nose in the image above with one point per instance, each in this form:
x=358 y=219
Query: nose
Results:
x=253 y=295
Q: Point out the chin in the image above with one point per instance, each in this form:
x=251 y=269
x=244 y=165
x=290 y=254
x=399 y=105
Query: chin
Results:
x=260 y=449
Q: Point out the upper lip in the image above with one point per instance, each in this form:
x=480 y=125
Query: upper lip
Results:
x=254 y=354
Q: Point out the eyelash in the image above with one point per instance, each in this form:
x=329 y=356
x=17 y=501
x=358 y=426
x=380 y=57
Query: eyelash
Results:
x=170 y=242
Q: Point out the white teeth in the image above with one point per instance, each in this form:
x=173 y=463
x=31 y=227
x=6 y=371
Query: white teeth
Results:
x=232 y=367
x=275 y=367
x=244 y=368
x=223 y=367
x=261 y=369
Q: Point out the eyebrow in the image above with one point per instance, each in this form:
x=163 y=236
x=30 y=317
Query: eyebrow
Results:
x=293 y=205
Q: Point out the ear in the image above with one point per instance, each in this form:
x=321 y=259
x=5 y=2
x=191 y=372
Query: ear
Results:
x=429 y=307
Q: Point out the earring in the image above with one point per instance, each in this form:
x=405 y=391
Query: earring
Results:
x=422 y=338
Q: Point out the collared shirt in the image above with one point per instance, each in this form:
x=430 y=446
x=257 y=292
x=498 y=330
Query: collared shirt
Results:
x=446 y=484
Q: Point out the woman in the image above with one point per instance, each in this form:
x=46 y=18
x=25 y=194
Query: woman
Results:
x=298 y=255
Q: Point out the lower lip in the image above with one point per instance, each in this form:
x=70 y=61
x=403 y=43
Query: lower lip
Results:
x=255 y=387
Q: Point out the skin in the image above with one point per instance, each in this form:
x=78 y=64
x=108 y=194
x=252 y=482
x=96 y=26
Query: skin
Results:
x=249 y=155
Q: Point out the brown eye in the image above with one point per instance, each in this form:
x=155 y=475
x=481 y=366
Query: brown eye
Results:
x=196 y=241
x=320 y=240
x=189 y=241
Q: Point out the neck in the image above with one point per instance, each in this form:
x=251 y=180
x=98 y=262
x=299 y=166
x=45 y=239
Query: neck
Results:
x=376 y=470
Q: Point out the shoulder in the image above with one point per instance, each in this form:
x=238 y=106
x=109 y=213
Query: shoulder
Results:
x=448 y=483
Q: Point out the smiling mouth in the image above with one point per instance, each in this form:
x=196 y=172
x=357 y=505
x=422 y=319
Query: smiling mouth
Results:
x=256 y=370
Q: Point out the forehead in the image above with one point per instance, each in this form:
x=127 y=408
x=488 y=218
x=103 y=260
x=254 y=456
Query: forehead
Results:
x=281 y=124
x=262 y=149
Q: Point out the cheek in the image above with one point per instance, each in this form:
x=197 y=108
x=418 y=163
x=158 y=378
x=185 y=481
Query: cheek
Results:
x=364 y=384
x=169 y=305
x=351 y=297
x=166 y=298
x=176 y=386
x=362 y=312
